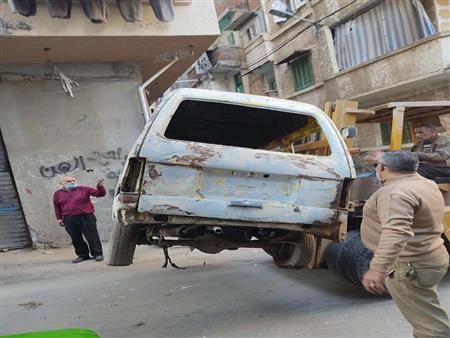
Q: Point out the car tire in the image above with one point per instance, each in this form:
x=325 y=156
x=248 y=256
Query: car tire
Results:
x=349 y=259
x=123 y=244
x=446 y=243
x=294 y=256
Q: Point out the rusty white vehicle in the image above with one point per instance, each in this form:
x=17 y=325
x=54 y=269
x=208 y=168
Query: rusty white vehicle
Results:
x=218 y=170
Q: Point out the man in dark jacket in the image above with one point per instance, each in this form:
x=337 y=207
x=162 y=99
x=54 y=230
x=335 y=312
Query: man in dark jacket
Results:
x=75 y=212
x=433 y=152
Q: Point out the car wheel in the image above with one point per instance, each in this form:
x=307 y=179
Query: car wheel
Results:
x=349 y=259
x=123 y=244
x=446 y=243
x=294 y=256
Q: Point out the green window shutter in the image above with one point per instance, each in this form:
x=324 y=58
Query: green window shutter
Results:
x=303 y=74
x=238 y=83
x=230 y=38
x=225 y=21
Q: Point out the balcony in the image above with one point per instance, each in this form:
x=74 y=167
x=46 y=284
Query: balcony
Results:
x=418 y=67
x=234 y=17
x=225 y=59
x=149 y=42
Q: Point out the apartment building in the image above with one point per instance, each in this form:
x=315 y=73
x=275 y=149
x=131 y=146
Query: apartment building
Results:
x=369 y=51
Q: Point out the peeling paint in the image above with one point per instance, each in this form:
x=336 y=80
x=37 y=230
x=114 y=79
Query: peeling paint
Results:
x=213 y=184
x=152 y=172
x=6 y=27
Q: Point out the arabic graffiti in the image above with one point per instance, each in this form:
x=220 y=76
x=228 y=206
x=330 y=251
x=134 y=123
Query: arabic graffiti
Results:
x=63 y=167
x=108 y=163
x=104 y=159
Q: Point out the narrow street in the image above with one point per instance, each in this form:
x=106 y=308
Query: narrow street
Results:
x=232 y=294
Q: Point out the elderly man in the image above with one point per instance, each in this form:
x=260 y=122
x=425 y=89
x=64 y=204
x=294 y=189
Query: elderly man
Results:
x=75 y=212
x=402 y=226
x=433 y=152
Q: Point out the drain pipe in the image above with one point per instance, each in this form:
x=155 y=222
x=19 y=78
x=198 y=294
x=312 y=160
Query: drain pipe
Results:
x=141 y=89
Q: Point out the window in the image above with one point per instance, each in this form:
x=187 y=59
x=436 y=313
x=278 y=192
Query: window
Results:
x=386 y=128
x=239 y=126
x=389 y=26
x=231 y=40
x=271 y=83
x=303 y=74
x=251 y=32
x=261 y=21
x=296 y=4
x=238 y=83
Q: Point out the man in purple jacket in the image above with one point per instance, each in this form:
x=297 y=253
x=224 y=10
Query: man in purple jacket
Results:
x=75 y=212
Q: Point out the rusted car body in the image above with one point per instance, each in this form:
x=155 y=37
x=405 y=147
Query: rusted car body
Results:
x=212 y=171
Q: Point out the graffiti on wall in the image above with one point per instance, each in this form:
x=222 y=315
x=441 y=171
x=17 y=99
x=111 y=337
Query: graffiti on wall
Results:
x=76 y=163
x=107 y=164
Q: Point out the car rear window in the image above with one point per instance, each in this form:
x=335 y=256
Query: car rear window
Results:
x=241 y=126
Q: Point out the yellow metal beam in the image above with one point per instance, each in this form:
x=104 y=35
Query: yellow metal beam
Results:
x=397 y=127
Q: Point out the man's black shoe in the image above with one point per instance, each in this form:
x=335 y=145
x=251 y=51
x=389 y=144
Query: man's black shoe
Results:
x=98 y=258
x=80 y=259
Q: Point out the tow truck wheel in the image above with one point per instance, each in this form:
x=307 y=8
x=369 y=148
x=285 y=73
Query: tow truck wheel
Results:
x=123 y=244
x=446 y=243
x=294 y=256
x=349 y=259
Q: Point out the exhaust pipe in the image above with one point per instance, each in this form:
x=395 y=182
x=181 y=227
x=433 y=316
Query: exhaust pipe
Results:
x=216 y=229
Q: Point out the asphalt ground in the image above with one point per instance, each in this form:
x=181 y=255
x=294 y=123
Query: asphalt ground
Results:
x=231 y=294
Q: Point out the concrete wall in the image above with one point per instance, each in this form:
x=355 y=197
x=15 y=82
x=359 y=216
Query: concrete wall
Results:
x=223 y=82
x=46 y=132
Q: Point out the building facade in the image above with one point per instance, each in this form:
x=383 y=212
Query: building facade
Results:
x=368 y=51
x=69 y=102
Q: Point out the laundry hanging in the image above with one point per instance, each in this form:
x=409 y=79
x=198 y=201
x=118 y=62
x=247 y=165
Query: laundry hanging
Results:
x=163 y=10
x=59 y=8
x=131 y=10
x=95 y=10
x=23 y=7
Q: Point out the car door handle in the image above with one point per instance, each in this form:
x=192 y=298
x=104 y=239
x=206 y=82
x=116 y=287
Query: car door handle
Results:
x=245 y=204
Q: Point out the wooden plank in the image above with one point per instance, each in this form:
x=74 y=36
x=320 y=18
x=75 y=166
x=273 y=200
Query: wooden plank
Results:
x=359 y=111
x=311 y=146
x=285 y=141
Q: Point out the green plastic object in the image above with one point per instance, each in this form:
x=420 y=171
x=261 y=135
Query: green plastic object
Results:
x=66 y=333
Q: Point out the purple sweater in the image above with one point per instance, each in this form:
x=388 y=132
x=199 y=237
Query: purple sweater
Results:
x=76 y=202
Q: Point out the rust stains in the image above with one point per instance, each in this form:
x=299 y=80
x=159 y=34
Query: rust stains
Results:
x=335 y=202
x=6 y=27
x=202 y=154
x=153 y=173
x=171 y=208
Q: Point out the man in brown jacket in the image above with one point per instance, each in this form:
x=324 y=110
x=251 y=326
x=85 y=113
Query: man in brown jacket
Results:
x=402 y=226
x=433 y=152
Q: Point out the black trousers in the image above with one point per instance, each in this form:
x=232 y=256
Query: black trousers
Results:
x=76 y=227
x=431 y=172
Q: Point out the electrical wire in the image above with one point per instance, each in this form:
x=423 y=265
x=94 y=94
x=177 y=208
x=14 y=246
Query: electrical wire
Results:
x=292 y=38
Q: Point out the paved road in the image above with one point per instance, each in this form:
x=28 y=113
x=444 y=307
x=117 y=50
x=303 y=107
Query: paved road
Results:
x=233 y=294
